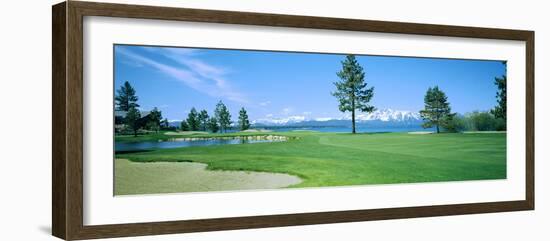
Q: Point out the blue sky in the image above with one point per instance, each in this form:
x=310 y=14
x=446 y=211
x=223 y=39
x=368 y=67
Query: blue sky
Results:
x=285 y=84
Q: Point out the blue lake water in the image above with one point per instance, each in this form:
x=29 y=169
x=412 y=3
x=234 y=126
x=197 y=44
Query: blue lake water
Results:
x=176 y=143
x=149 y=145
x=359 y=128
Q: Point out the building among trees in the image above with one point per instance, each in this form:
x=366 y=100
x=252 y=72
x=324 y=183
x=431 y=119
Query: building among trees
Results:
x=120 y=119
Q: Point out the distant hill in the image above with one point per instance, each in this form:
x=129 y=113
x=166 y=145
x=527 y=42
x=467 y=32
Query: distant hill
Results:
x=175 y=123
x=378 y=118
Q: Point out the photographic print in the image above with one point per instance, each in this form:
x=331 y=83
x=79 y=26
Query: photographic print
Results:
x=203 y=120
x=287 y=119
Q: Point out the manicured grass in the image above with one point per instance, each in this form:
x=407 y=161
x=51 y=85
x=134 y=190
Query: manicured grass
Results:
x=143 y=137
x=336 y=159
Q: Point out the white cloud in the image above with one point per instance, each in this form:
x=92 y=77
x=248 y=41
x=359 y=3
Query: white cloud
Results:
x=197 y=74
x=323 y=119
x=132 y=63
x=265 y=103
x=296 y=118
x=281 y=120
x=287 y=110
x=205 y=70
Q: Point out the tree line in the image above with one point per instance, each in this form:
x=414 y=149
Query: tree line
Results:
x=126 y=100
x=220 y=121
x=353 y=95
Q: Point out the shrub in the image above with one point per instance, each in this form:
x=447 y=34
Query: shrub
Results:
x=483 y=121
x=500 y=124
x=455 y=124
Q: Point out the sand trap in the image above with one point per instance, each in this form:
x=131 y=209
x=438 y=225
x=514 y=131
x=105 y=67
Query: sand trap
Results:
x=304 y=131
x=176 y=177
x=420 y=132
x=256 y=130
x=184 y=133
x=481 y=132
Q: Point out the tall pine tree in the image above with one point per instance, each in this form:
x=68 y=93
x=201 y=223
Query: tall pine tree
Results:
x=223 y=116
x=126 y=97
x=437 y=111
x=244 y=123
x=351 y=91
x=500 y=110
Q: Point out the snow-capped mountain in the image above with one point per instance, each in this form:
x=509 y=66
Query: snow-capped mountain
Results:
x=280 y=121
x=384 y=115
x=387 y=115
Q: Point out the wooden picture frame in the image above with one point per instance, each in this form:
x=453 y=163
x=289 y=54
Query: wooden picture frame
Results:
x=67 y=123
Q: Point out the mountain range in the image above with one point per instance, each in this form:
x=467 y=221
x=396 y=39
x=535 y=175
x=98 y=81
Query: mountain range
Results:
x=383 y=116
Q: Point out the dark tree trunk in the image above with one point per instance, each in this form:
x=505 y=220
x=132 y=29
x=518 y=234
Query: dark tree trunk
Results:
x=437 y=128
x=353 y=115
x=353 y=121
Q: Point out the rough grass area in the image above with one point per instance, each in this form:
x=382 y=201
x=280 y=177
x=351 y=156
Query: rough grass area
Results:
x=338 y=159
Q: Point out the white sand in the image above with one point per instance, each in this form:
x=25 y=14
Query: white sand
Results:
x=173 y=177
x=420 y=132
x=184 y=133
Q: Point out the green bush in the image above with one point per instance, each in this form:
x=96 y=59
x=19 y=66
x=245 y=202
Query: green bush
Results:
x=483 y=121
x=474 y=121
x=455 y=124
x=500 y=124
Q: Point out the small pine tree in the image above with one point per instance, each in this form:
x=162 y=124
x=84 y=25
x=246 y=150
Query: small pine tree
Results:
x=203 y=120
x=437 y=111
x=184 y=126
x=132 y=120
x=212 y=124
x=244 y=123
x=165 y=124
x=223 y=116
x=193 y=120
x=155 y=118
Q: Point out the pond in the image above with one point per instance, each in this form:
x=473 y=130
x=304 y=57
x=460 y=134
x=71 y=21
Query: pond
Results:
x=190 y=142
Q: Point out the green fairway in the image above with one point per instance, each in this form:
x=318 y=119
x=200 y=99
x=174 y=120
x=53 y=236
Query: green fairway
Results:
x=337 y=159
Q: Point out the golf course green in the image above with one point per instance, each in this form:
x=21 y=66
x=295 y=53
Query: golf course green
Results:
x=323 y=159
